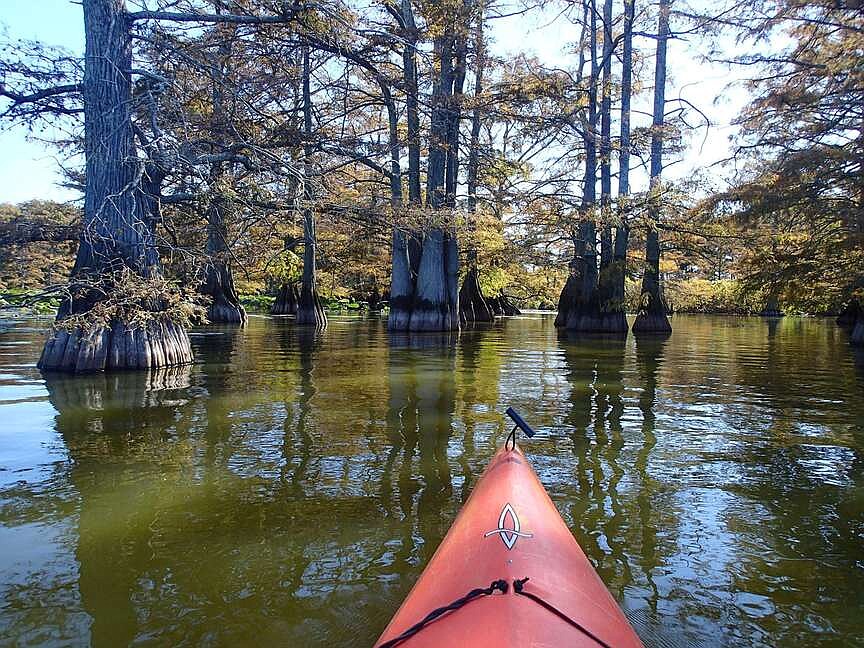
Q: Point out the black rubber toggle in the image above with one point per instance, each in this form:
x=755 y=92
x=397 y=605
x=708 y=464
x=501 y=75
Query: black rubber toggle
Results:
x=518 y=420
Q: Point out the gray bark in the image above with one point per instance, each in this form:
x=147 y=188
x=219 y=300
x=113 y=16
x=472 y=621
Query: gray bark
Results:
x=476 y=117
x=401 y=283
x=568 y=294
x=615 y=318
x=606 y=148
x=309 y=309
x=857 y=336
x=584 y=313
x=120 y=214
x=454 y=120
x=436 y=301
x=286 y=300
x=405 y=258
x=472 y=302
x=626 y=93
x=409 y=69
x=652 y=312
x=218 y=284
x=610 y=288
x=431 y=312
x=219 y=280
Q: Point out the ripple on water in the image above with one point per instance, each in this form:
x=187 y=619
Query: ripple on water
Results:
x=714 y=479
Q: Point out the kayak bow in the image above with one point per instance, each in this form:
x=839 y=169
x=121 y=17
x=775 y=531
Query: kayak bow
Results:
x=509 y=573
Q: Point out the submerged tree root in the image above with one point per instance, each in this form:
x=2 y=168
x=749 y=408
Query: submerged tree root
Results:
x=156 y=343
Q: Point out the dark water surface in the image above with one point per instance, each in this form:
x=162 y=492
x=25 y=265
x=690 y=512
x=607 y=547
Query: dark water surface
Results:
x=289 y=488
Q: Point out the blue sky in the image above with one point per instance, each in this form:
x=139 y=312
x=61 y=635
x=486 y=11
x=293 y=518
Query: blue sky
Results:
x=28 y=170
x=704 y=84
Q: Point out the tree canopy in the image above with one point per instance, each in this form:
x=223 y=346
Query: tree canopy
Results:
x=385 y=153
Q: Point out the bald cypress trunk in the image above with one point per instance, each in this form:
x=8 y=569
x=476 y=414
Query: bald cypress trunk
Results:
x=401 y=284
x=616 y=313
x=849 y=316
x=853 y=318
x=772 y=307
x=652 y=311
x=405 y=258
x=568 y=293
x=218 y=284
x=286 y=300
x=409 y=70
x=473 y=306
x=603 y=287
x=454 y=119
x=612 y=253
x=120 y=214
x=436 y=301
x=309 y=309
x=219 y=280
x=584 y=312
x=857 y=336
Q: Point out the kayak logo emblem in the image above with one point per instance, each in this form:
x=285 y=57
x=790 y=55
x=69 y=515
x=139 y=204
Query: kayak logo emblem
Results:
x=509 y=535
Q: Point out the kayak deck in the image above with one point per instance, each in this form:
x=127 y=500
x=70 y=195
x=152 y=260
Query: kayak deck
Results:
x=509 y=529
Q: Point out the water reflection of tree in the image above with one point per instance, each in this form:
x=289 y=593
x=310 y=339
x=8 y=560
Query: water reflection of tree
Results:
x=615 y=513
x=790 y=366
x=478 y=371
x=594 y=372
x=300 y=346
x=420 y=416
x=108 y=421
x=649 y=358
x=217 y=354
x=215 y=517
x=176 y=519
x=794 y=509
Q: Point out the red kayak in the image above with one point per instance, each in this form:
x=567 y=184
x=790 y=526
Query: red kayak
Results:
x=509 y=573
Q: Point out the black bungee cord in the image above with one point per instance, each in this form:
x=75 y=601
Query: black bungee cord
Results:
x=498 y=585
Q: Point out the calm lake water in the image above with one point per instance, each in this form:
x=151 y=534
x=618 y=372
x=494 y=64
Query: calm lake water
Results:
x=289 y=488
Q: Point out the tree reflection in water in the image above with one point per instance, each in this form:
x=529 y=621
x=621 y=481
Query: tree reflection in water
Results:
x=112 y=420
x=613 y=512
x=420 y=421
x=649 y=358
x=594 y=372
x=301 y=429
x=712 y=480
x=478 y=374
